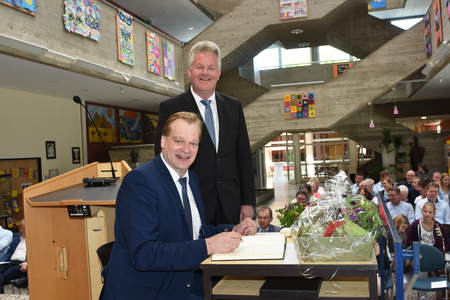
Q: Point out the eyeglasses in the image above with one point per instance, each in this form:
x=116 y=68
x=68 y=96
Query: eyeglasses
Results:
x=263 y=218
x=391 y=196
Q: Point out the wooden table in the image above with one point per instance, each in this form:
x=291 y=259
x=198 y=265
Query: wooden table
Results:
x=244 y=278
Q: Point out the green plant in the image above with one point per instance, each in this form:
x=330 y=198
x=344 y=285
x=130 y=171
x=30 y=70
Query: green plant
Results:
x=288 y=215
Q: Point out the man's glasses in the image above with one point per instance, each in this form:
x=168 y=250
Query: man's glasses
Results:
x=263 y=218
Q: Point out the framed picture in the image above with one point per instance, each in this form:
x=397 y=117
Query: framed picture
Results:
x=53 y=173
x=76 y=155
x=50 y=149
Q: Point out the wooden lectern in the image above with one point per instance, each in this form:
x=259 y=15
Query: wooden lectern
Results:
x=61 y=250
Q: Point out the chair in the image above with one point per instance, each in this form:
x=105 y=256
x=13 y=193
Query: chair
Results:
x=104 y=253
x=431 y=260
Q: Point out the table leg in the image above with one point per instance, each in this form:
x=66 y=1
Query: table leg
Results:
x=207 y=284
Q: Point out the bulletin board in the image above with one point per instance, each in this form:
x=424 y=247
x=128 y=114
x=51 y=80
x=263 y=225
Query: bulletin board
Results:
x=23 y=171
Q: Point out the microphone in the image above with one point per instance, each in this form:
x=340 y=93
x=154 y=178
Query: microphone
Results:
x=97 y=181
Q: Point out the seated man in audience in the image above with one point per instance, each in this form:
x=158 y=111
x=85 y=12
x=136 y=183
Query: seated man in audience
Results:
x=5 y=240
x=413 y=193
x=397 y=207
x=359 y=177
x=265 y=217
x=442 y=207
x=409 y=177
x=14 y=263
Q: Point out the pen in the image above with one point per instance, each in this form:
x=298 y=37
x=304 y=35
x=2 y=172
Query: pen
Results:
x=226 y=230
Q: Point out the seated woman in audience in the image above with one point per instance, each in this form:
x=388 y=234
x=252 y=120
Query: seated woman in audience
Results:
x=422 y=189
x=317 y=190
x=301 y=199
x=444 y=186
x=402 y=224
x=428 y=231
x=365 y=192
x=387 y=184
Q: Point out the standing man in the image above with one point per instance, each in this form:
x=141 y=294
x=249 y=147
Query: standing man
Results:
x=265 y=217
x=161 y=235
x=224 y=162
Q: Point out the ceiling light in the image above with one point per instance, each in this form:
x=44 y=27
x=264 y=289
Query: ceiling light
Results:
x=190 y=28
x=297 y=31
x=423 y=118
x=303 y=44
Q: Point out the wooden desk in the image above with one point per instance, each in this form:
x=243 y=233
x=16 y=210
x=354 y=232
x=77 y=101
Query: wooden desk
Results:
x=289 y=267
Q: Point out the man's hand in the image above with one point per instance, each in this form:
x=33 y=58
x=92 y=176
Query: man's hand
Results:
x=246 y=227
x=246 y=212
x=24 y=267
x=224 y=242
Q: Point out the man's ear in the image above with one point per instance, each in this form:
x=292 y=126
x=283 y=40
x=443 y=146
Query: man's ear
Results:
x=163 y=141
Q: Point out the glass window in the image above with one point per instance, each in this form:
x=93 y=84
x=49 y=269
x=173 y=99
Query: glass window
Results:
x=295 y=57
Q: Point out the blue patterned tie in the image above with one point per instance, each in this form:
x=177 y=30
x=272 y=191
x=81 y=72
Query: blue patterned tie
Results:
x=186 y=204
x=209 y=120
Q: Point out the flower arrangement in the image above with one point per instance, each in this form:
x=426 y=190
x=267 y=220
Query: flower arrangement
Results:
x=365 y=215
x=289 y=214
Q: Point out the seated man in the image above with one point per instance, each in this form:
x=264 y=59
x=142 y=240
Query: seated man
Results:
x=5 y=240
x=264 y=219
x=15 y=266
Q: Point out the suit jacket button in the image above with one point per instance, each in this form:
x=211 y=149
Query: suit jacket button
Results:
x=188 y=284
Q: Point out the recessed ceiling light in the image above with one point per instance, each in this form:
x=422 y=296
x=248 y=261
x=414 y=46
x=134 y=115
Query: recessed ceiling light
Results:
x=296 y=31
x=190 y=28
x=303 y=44
x=423 y=118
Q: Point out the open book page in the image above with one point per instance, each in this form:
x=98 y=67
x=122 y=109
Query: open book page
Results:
x=259 y=246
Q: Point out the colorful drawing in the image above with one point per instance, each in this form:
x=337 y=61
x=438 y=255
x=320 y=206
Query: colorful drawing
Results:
x=105 y=119
x=340 y=69
x=150 y=123
x=427 y=33
x=377 y=4
x=447 y=6
x=153 y=53
x=130 y=126
x=437 y=22
x=298 y=106
x=125 y=38
x=82 y=17
x=169 y=60
x=28 y=6
x=290 y=9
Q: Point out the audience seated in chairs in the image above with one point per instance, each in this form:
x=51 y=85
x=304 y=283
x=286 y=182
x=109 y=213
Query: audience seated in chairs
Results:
x=14 y=270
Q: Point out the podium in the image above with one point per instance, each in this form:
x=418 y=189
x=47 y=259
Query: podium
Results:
x=61 y=250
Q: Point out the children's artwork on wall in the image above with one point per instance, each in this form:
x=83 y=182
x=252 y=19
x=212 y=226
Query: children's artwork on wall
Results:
x=298 y=106
x=447 y=6
x=105 y=119
x=339 y=69
x=169 y=60
x=28 y=6
x=82 y=17
x=150 y=122
x=125 y=46
x=130 y=126
x=427 y=32
x=291 y=9
x=437 y=22
x=153 y=53
x=377 y=4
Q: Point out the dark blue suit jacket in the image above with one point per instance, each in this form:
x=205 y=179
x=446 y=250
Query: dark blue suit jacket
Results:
x=15 y=242
x=154 y=256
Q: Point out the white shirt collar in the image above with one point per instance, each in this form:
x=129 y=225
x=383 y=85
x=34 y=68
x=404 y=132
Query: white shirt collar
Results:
x=172 y=172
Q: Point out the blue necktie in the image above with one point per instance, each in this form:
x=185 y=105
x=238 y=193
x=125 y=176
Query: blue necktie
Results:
x=186 y=204
x=209 y=120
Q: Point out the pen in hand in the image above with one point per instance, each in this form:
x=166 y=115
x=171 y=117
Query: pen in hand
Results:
x=226 y=230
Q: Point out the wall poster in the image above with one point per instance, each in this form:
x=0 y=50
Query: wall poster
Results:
x=28 y=6
x=291 y=9
x=339 y=69
x=153 y=53
x=125 y=48
x=130 y=126
x=427 y=32
x=438 y=22
x=82 y=17
x=169 y=60
x=298 y=106
x=105 y=119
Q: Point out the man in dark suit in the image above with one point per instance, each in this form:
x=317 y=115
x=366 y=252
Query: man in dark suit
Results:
x=14 y=264
x=265 y=217
x=224 y=162
x=160 y=227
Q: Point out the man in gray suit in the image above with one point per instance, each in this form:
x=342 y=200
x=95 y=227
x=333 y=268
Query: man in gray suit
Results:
x=265 y=217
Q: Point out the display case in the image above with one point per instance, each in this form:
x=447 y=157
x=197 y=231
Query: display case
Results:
x=5 y=196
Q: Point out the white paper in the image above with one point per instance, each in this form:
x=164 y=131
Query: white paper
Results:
x=439 y=284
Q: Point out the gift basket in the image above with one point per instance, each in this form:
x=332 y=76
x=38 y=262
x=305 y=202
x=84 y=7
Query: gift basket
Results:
x=341 y=227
